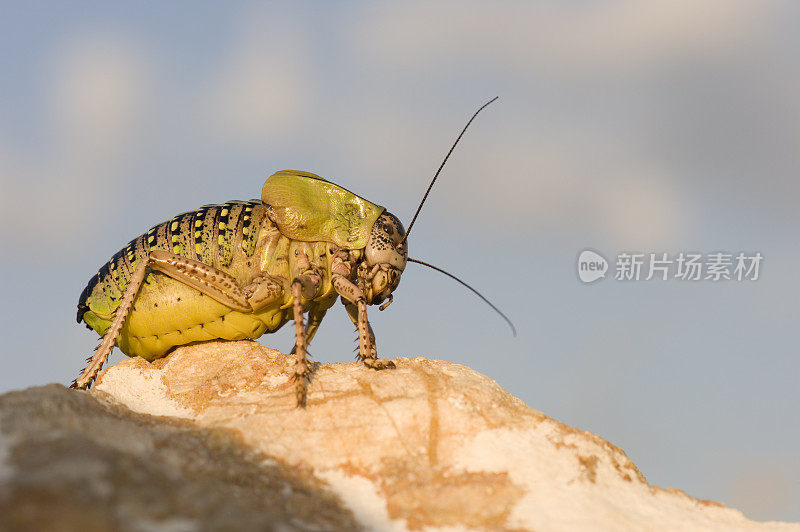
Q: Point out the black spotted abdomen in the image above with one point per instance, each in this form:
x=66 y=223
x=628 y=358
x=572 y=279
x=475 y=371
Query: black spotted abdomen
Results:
x=166 y=312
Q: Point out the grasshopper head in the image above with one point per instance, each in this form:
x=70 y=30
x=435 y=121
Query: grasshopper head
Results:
x=385 y=260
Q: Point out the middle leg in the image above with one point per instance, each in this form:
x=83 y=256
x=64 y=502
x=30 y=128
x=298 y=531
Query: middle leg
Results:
x=305 y=285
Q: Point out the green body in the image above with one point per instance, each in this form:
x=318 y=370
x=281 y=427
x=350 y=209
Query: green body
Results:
x=299 y=212
x=309 y=208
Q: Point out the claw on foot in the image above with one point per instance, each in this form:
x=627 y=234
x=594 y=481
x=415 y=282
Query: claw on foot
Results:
x=83 y=386
x=379 y=363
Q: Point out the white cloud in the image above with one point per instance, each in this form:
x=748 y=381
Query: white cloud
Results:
x=388 y=139
x=642 y=211
x=577 y=183
x=96 y=93
x=263 y=90
x=559 y=179
x=578 y=38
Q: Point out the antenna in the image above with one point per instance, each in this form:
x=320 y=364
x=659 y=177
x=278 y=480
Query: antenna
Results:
x=513 y=329
x=414 y=219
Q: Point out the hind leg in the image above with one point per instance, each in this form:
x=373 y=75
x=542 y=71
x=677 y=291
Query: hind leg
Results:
x=96 y=361
x=214 y=283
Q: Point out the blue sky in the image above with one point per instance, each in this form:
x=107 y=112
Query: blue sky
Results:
x=659 y=126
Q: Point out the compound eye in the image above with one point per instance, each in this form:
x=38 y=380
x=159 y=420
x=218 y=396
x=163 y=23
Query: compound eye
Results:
x=382 y=247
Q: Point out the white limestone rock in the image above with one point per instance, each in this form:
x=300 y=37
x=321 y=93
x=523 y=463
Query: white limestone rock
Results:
x=429 y=445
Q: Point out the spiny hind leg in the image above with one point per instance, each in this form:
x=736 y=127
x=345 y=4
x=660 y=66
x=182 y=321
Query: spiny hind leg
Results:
x=96 y=361
x=214 y=283
x=209 y=280
x=218 y=285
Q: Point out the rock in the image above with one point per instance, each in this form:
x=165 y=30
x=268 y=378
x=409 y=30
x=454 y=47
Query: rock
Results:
x=72 y=461
x=429 y=445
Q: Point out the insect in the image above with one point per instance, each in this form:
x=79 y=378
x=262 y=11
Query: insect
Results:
x=244 y=268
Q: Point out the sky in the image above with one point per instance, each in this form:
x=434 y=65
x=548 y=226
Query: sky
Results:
x=664 y=126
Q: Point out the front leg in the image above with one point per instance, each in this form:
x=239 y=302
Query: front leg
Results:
x=356 y=305
x=367 y=349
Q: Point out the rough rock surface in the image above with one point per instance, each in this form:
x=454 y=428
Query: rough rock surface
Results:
x=70 y=461
x=429 y=445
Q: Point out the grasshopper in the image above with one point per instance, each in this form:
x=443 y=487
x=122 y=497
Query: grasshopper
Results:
x=244 y=268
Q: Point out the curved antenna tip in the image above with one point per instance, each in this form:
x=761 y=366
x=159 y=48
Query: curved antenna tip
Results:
x=510 y=324
x=425 y=197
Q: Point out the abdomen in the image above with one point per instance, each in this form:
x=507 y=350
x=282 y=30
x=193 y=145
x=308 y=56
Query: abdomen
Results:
x=166 y=312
